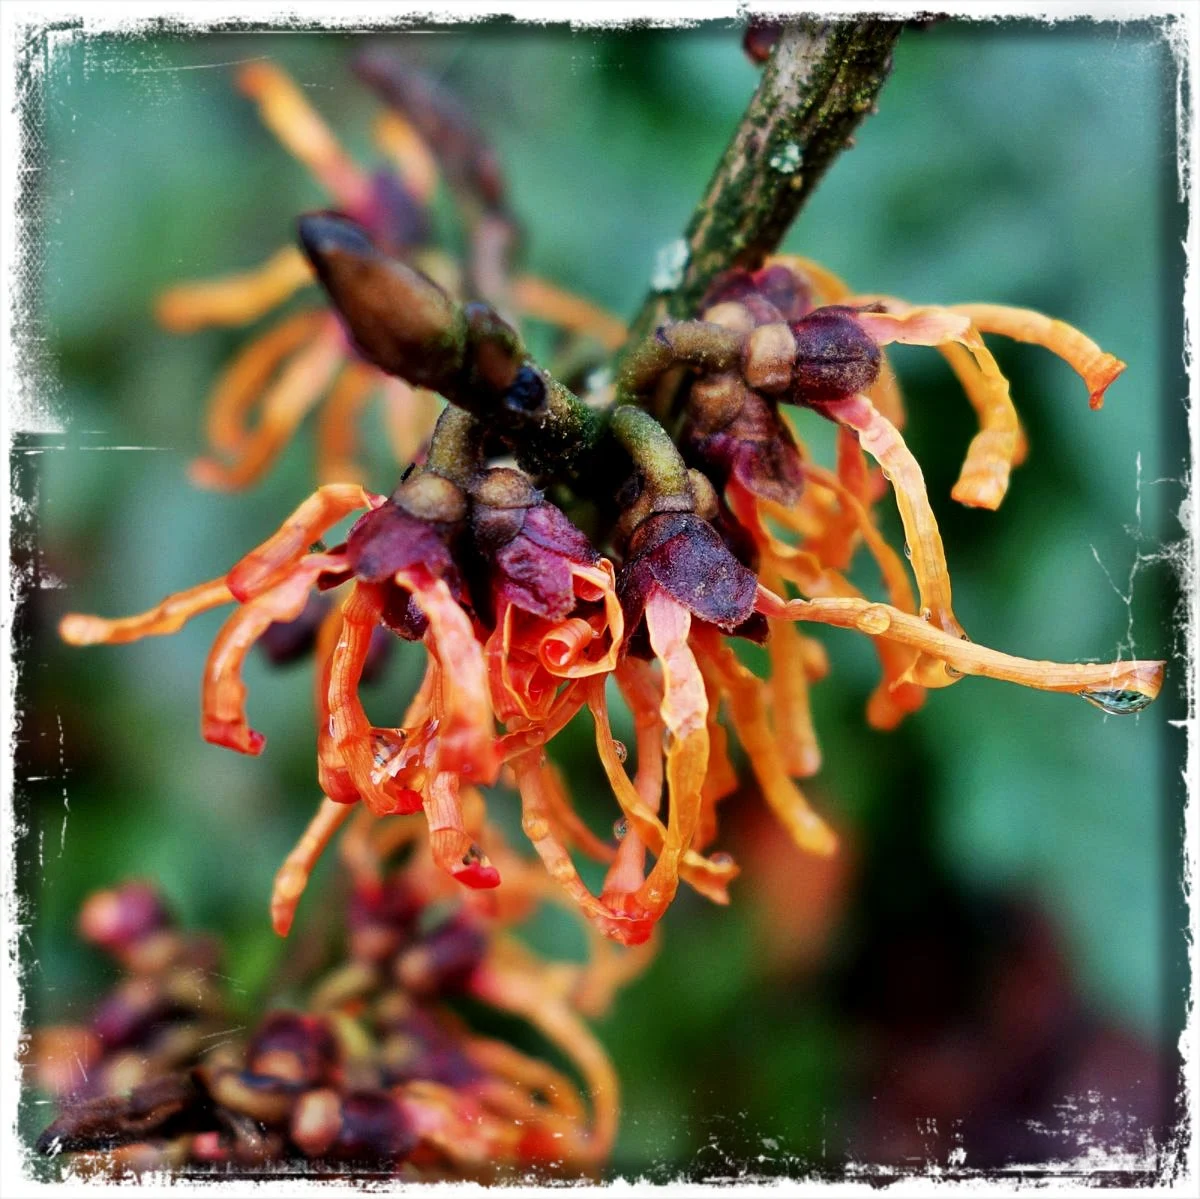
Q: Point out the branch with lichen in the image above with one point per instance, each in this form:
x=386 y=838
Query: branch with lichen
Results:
x=821 y=79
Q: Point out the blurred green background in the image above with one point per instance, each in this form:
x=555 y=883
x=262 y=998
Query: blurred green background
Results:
x=1008 y=162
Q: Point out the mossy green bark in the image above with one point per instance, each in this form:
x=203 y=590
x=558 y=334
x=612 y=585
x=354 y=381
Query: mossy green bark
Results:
x=820 y=82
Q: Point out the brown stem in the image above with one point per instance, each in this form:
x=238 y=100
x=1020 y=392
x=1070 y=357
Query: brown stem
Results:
x=820 y=81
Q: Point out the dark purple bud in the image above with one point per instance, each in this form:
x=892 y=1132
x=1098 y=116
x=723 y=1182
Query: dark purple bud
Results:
x=773 y=293
x=294 y=1048
x=287 y=641
x=380 y=918
x=262 y=1097
x=787 y=291
x=374 y=1129
x=151 y=1109
x=685 y=556
x=528 y=545
x=757 y=449
x=398 y=219
x=443 y=961
x=835 y=356
x=389 y=539
x=131 y=1012
x=419 y=1047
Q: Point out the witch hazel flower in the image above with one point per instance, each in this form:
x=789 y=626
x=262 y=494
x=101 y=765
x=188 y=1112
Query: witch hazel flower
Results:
x=551 y=549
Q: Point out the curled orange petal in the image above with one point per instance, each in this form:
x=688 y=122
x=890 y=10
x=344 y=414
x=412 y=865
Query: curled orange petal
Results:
x=453 y=848
x=1097 y=368
x=417 y=166
x=534 y=297
x=336 y=431
x=883 y=442
x=323 y=509
x=1115 y=686
x=244 y=381
x=466 y=739
x=223 y=695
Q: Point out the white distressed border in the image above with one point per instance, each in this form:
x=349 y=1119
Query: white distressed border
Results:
x=21 y=412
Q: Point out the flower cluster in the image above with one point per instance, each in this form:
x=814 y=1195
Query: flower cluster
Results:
x=276 y=380
x=547 y=544
x=374 y=1070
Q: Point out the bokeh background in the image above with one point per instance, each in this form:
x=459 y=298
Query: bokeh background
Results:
x=994 y=970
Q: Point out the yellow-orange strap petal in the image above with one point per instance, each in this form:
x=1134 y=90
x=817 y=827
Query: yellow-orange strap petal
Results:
x=310 y=521
x=169 y=616
x=292 y=877
x=236 y=299
x=743 y=691
x=1137 y=681
x=298 y=388
x=291 y=118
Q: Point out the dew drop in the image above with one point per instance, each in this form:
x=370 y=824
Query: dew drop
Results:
x=562 y=871
x=620 y=828
x=721 y=860
x=1120 y=702
x=543 y=761
x=927 y=614
x=536 y=829
x=953 y=672
x=874 y=620
x=908 y=551
x=620 y=750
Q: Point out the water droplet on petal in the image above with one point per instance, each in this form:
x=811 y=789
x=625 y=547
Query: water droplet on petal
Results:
x=874 y=620
x=620 y=750
x=721 y=859
x=927 y=614
x=536 y=829
x=620 y=828
x=908 y=551
x=1119 y=702
x=953 y=671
